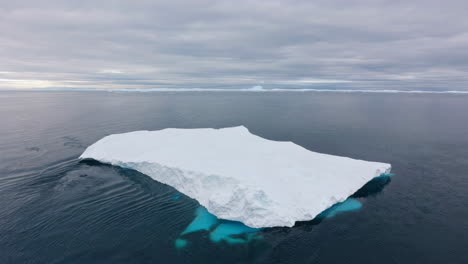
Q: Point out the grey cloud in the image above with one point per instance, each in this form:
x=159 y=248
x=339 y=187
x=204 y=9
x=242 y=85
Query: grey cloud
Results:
x=148 y=44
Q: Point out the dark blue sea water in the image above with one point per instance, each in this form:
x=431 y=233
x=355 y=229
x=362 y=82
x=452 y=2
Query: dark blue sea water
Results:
x=55 y=209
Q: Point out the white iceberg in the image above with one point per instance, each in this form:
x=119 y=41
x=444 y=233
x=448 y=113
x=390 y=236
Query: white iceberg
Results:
x=237 y=175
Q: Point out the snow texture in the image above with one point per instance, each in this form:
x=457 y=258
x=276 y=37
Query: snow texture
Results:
x=237 y=175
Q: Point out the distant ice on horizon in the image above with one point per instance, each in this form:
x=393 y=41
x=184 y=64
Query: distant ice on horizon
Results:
x=259 y=88
x=255 y=89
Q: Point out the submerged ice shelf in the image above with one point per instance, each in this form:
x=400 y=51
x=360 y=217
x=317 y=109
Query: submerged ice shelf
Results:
x=237 y=175
x=219 y=230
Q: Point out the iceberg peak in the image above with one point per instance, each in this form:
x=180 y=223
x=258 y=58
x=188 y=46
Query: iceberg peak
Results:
x=239 y=176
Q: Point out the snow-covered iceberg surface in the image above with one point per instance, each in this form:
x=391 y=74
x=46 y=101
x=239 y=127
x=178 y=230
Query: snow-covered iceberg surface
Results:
x=237 y=175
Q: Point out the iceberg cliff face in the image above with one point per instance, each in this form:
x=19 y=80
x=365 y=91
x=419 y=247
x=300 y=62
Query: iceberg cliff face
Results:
x=237 y=175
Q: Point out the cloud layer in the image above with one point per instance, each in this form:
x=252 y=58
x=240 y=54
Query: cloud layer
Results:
x=359 y=44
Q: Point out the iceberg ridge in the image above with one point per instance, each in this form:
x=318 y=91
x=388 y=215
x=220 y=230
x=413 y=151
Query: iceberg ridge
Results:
x=237 y=175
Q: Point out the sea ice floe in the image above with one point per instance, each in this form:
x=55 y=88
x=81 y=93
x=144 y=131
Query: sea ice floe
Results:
x=237 y=175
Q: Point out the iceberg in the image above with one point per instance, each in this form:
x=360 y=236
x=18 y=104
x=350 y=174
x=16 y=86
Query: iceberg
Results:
x=237 y=175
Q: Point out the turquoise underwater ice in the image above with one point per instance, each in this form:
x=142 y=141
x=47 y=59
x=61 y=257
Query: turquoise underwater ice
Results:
x=181 y=243
x=348 y=205
x=203 y=221
x=231 y=232
x=227 y=230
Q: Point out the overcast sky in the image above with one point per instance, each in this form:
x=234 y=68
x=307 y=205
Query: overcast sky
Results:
x=357 y=44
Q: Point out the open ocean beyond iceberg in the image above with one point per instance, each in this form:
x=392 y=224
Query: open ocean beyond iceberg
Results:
x=57 y=209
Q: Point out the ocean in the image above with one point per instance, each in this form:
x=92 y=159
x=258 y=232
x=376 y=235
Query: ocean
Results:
x=57 y=209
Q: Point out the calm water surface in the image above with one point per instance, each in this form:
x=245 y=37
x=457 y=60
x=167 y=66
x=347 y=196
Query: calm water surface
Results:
x=55 y=209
